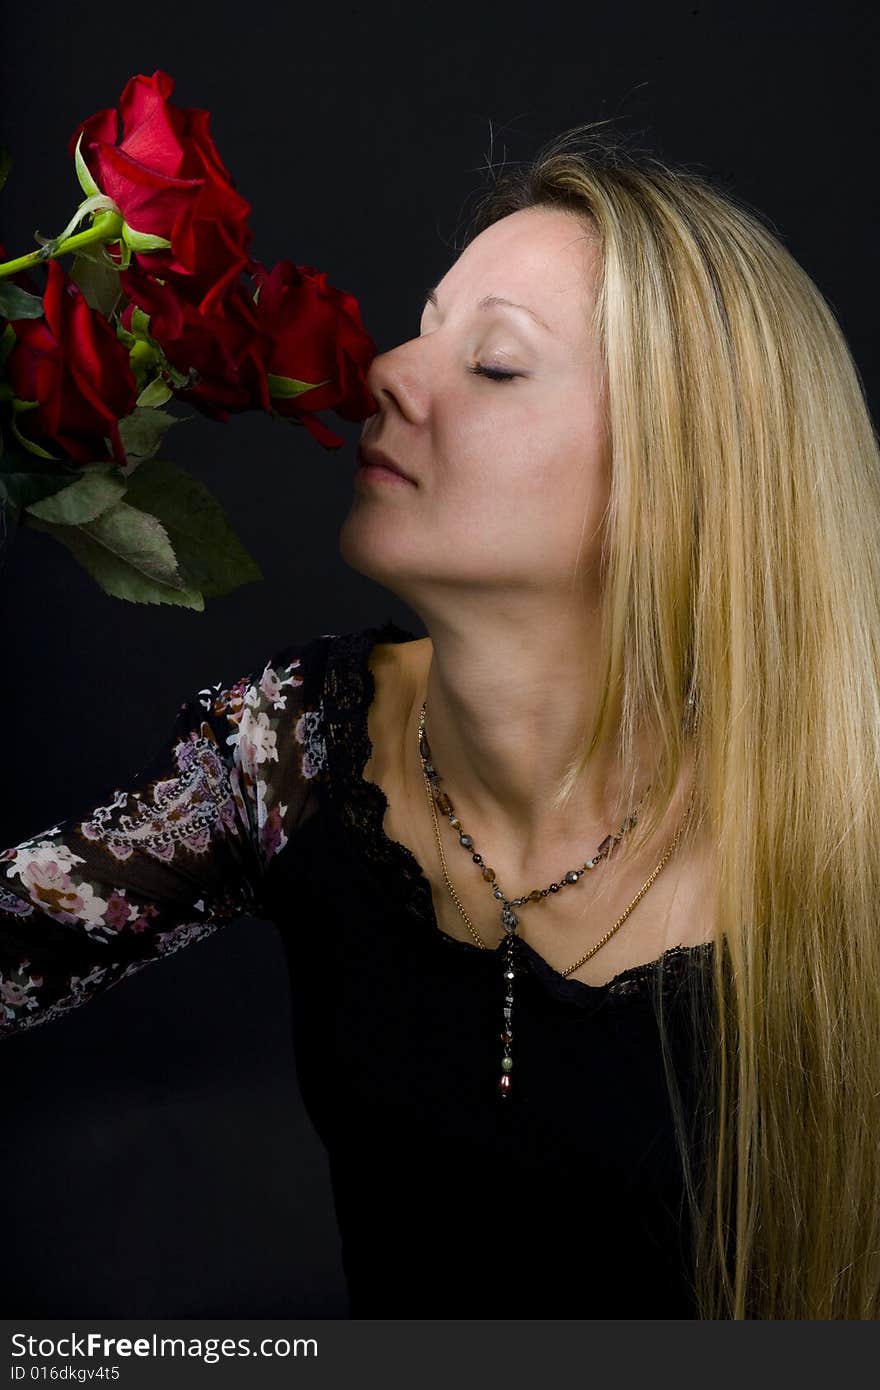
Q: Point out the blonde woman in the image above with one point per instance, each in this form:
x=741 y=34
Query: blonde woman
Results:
x=579 y=889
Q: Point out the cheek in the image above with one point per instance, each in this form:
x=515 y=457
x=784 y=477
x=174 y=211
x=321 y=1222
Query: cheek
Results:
x=515 y=514
x=555 y=470
x=499 y=453
x=506 y=471
x=559 y=491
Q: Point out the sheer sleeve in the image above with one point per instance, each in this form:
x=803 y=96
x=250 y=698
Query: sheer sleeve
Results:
x=181 y=851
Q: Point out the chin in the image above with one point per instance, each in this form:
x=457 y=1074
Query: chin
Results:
x=366 y=546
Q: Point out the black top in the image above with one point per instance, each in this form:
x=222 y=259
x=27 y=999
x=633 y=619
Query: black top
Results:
x=566 y=1199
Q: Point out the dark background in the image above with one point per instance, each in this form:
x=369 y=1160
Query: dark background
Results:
x=156 y=1160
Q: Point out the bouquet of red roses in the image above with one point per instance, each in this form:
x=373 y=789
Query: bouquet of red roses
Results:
x=162 y=301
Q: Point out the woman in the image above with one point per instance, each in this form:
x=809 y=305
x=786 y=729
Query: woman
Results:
x=621 y=1059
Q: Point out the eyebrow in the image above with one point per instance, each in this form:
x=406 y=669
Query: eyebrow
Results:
x=491 y=301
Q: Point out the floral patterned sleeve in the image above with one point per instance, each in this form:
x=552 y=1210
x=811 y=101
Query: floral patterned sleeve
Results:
x=165 y=862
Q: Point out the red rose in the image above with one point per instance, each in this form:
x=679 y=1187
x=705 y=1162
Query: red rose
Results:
x=317 y=335
x=72 y=362
x=227 y=348
x=167 y=179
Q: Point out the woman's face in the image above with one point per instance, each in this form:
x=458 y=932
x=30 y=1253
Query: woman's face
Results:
x=511 y=476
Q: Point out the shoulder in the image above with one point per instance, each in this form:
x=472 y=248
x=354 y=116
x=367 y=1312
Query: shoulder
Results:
x=394 y=662
x=398 y=670
x=351 y=677
x=302 y=663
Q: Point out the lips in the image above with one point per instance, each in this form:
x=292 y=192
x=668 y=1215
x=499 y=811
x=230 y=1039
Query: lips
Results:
x=371 y=457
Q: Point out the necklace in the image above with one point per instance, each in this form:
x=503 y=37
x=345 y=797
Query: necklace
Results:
x=438 y=799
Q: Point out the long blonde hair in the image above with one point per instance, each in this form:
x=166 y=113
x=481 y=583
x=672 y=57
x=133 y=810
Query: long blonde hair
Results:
x=742 y=571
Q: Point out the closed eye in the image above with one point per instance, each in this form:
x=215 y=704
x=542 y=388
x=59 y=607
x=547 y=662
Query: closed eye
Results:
x=493 y=373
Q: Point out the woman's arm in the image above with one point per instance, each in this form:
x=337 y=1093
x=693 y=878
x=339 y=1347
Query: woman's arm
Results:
x=165 y=862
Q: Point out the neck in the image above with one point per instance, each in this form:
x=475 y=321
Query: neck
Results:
x=508 y=704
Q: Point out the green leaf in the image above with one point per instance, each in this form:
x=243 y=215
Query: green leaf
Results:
x=143 y=431
x=140 y=322
x=86 y=182
x=144 y=359
x=16 y=303
x=129 y=554
x=99 y=283
x=285 y=387
x=178 y=378
x=157 y=393
x=208 y=550
x=82 y=500
x=21 y=488
x=5 y=163
x=143 y=241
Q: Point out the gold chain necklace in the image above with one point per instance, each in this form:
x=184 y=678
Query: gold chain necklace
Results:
x=509 y=918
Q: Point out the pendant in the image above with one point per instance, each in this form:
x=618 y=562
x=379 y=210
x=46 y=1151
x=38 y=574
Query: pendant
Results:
x=509 y=920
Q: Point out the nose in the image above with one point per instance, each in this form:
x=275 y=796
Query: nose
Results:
x=374 y=377
x=396 y=383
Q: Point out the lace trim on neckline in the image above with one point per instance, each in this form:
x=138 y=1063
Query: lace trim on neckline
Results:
x=349 y=690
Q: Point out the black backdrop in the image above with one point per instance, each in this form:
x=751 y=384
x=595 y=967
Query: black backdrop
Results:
x=156 y=1161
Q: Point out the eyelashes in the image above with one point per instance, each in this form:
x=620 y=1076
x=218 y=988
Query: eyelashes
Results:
x=492 y=373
